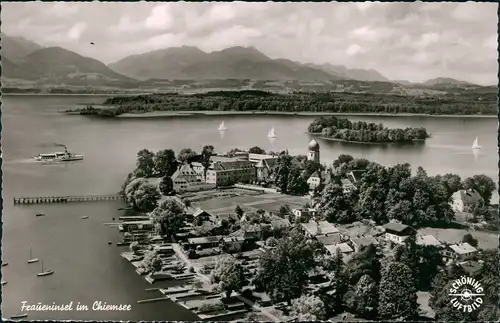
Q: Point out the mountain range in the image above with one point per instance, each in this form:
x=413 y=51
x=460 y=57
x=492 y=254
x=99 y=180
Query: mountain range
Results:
x=26 y=60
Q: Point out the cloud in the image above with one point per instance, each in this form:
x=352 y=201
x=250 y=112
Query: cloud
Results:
x=77 y=30
x=160 y=18
x=411 y=41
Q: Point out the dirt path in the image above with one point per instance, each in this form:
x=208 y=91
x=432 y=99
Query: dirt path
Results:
x=187 y=261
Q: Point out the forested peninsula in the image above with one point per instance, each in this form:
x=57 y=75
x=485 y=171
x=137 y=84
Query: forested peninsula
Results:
x=343 y=129
x=262 y=101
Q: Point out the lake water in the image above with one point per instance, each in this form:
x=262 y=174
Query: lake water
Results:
x=86 y=268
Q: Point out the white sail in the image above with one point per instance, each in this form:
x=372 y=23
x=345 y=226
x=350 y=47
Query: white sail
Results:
x=222 y=127
x=271 y=133
x=475 y=144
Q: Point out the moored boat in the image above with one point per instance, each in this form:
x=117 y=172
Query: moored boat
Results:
x=45 y=272
x=19 y=316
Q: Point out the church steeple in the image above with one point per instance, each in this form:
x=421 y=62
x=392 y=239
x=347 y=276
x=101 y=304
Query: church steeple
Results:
x=313 y=151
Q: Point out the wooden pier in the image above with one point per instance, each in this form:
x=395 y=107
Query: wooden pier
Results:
x=66 y=199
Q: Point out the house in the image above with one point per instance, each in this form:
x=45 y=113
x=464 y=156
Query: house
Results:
x=359 y=243
x=461 y=251
x=229 y=173
x=306 y=213
x=316 y=228
x=347 y=185
x=397 y=232
x=264 y=168
x=318 y=178
x=186 y=179
x=201 y=216
x=256 y=158
x=203 y=242
x=166 y=250
x=355 y=176
x=199 y=170
x=232 y=244
x=344 y=248
x=329 y=239
x=428 y=240
x=466 y=200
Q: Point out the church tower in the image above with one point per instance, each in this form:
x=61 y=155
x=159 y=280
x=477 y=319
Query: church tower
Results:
x=313 y=151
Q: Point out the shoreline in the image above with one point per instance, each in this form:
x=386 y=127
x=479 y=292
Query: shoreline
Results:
x=165 y=114
x=319 y=136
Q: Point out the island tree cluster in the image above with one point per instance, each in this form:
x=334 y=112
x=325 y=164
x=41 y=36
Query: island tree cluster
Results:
x=360 y=131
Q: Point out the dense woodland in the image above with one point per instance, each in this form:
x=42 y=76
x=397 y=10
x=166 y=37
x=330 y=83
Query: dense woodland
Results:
x=361 y=131
x=334 y=102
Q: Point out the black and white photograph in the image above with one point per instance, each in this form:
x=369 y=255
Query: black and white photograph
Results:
x=250 y=161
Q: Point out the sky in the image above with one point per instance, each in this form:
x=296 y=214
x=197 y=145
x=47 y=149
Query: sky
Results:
x=403 y=41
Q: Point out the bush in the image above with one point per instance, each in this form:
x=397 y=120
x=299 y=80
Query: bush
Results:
x=211 y=307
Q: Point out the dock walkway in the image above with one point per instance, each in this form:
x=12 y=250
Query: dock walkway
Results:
x=66 y=199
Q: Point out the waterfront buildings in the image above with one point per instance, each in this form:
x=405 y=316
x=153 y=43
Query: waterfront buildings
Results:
x=229 y=173
x=187 y=179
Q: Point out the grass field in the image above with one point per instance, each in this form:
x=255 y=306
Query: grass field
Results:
x=268 y=202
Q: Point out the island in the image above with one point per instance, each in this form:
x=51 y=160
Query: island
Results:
x=257 y=101
x=235 y=235
x=342 y=129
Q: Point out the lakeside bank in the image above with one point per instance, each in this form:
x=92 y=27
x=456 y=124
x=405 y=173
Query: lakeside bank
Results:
x=166 y=114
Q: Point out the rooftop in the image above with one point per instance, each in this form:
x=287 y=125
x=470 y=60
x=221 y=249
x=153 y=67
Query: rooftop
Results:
x=428 y=240
x=319 y=228
x=364 y=241
x=396 y=227
x=344 y=248
x=468 y=196
x=313 y=145
x=231 y=165
x=463 y=248
x=329 y=239
x=202 y=240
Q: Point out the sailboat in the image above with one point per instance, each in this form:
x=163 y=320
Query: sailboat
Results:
x=32 y=260
x=271 y=133
x=222 y=127
x=45 y=272
x=475 y=144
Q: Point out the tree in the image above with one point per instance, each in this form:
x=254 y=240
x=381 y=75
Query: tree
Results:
x=206 y=158
x=130 y=178
x=297 y=184
x=334 y=205
x=283 y=167
x=431 y=262
x=146 y=197
x=362 y=298
x=409 y=254
x=365 y=262
x=145 y=162
x=284 y=211
x=186 y=155
x=308 y=307
x=170 y=215
x=131 y=188
x=283 y=270
x=256 y=150
x=228 y=274
x=469 y=239
x=165 y=162
x=397 y=294
x=239 y=211
x=483 y=184
x=452 y=182
x=166 y=185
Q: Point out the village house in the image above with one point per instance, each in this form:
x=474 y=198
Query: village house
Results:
x=313 y=228
x=329 y=239
x=358 y=243
x=397 y=232
x=229 y=173
x=428 y=240
x=461 y=252
x=466 y=200
x=264 y=168
x=355 y=176
x=304 y=213
x=202 y=243
x=344 y=248
x=232 y=244
x=200 y=216
x=347 y=185
x=186 y=179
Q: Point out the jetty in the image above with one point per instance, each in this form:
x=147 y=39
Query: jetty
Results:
x=66 y=199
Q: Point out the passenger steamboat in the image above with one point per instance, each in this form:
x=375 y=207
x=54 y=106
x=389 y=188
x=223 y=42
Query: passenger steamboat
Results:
x=58 y=156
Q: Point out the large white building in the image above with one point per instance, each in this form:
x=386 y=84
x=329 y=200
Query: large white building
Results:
x=187 y=179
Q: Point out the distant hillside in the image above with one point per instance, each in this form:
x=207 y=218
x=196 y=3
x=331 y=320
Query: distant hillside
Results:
x=60 y=66
x=17 y=47
x=445 y=80
x=230 y=63
x=343 y=72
